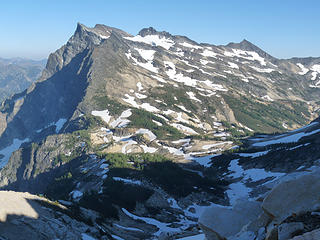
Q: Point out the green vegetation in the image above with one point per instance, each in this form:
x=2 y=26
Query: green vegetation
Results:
x=104 y=102
x=267 y=118
x=160 y=171
x=156 y=169
x=175 y=180
x=87 y=122
x=61 y=187
x=143 y=119
x=101 y=204
x=115 y=193
x=237 y=133
x=168 y=95
x=133 y=161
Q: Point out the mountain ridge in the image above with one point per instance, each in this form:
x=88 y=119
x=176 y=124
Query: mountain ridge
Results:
x=145 y=114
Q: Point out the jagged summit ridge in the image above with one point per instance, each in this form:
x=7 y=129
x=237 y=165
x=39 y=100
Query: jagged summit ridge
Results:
x=100 y=30
x=170 y=101
x=200 y=70
x=151 y=31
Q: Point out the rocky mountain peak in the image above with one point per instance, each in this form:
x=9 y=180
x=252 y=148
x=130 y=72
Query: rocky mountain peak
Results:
x=159 y=102
x=151 y=31
x=101 y=31
x=248 y=46
x=147 y=31
x=244 y=45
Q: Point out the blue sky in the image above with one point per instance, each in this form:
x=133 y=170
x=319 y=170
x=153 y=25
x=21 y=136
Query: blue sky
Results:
x=283 y=28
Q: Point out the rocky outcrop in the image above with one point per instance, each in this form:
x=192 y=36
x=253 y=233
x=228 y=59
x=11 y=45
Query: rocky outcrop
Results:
x=225 y=222
x=282 y=215
x=313 y=235
x=293 y=197
x=26 y=216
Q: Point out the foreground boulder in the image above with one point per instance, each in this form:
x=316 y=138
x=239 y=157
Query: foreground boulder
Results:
x=220 y=222
x=26 y=216
x=313 y=235
x=16 y=203
x=293 y=197
x=282 y=215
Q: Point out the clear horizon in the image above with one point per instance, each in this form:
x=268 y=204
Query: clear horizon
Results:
x=284 y=29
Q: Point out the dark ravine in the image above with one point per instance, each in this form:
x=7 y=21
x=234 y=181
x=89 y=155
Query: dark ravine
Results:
x=113 y=113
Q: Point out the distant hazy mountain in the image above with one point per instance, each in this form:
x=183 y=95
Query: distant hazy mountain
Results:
x=17 y=74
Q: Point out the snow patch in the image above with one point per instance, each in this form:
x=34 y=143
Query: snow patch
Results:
x=128 y=181
x=146 y=54
x=208 y=53
x=147 y=65
x=192 y=96
x=147 y=149
x=314 y=76
x=183 y=108
x=6 y=152
x=122 y=121
x=249 y=55
x=262 y=70
x=128 y=228
x=149 y=108
x=304 y=70
x=75 y=194
x=158 y=123
x=238 y=189
x=217 y=87
x=146 y=106
x=233 y=65
x=204 y=62
x=185 y=129
x=178 y=77
x=130 y=99
x=267 y=98
x=159 y=79
x=195 y=237
x=206 y=147
x=59 y=124
x=316 y=69
x=253 y=155
x=117 y=237
x=124 y=148
x=286 y=139
x=204 y=161
x=154 y=40
x=148 y=132
x=188 y=45
x=162 y=227
x=85 y=236
x=105 y=115
x=140 y=96
x=139 y=86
